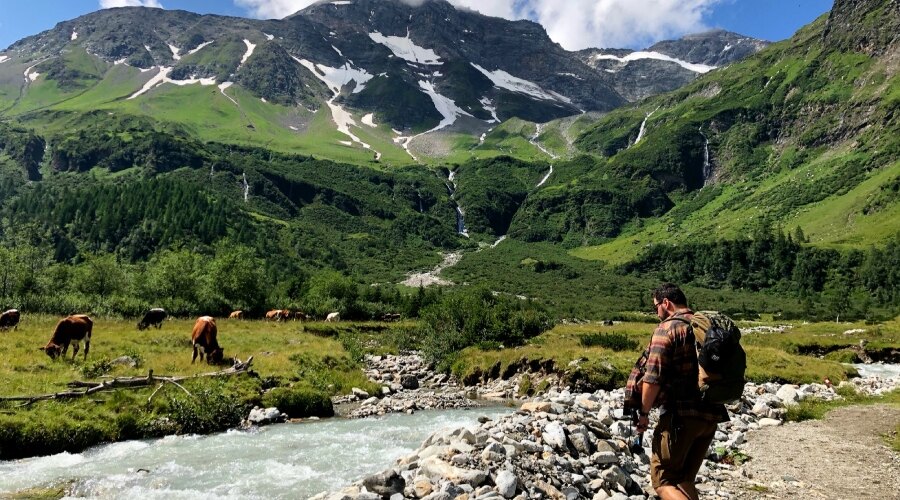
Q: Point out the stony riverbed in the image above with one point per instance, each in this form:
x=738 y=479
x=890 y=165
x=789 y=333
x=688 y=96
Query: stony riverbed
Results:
x=560 y=445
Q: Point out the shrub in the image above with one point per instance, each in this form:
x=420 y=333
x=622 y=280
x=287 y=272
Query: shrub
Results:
x=478 y=317
x=300 y=401
x=615 y=341
x=211 y=409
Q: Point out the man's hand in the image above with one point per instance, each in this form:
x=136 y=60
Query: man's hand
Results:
x=642 y=423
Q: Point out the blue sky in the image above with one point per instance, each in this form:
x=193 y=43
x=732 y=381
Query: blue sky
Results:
x=767 y=19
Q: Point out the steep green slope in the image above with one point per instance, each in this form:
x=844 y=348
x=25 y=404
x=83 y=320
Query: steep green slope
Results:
x=804 y=135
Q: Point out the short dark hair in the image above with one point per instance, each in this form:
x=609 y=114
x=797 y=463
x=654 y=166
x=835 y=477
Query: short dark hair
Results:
x=670 y=291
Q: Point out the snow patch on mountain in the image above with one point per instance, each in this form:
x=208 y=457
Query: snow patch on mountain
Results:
x=74 y=36
x=444 y=105
x=634 y=56
x=175 y=50
x=3 y=59
x=490 y=108
x=197 y=48
x=504 y=80
x=405 y=48
x=369 y=120
x=268 y=36
x=163 y=77
x=250 y=47
x=336 y=78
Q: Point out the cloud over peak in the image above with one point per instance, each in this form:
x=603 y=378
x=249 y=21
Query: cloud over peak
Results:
x=575 y=24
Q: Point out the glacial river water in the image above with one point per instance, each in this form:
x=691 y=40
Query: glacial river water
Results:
x=280 y=461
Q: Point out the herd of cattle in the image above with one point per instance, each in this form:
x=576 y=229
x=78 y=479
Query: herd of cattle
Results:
x=76 y=328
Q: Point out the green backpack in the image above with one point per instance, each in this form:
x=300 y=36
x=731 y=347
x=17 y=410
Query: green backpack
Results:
x=721 y=358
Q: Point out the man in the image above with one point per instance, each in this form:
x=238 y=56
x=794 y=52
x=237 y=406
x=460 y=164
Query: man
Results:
x=686 y=425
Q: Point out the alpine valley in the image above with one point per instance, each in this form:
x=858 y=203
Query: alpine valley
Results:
x=378 y=139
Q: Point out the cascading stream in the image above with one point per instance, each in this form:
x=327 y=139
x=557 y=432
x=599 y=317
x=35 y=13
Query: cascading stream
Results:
x=280 y=461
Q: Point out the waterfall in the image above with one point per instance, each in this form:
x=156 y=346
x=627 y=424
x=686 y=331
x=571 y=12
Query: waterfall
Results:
x=644 y=126
x=707 y=170
x=246 y=189
x=545 y=177
x=421 y=210
x=539 y=127
x=460 y=215
x=212 y=170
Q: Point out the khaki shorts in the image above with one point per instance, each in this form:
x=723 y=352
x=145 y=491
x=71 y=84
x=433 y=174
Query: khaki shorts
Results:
x=678 y=454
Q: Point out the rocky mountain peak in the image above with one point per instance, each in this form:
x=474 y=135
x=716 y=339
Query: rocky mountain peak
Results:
x=868 y=26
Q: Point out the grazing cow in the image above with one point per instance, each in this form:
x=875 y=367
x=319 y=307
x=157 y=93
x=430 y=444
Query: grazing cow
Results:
x=278 y=315
x=204 y=336
x=333 y=317
x=389 y=317
x=154 y=317
x=236 y=315
x=74 y=328
x=9 y=319
x=299 y=316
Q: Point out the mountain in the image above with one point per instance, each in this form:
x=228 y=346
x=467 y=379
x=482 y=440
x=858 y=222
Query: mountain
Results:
x=803 y=134
x=366 y=81
x=669 y=64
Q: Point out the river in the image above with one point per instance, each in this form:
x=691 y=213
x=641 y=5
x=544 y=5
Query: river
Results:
x=883 y=370
x=280 y=461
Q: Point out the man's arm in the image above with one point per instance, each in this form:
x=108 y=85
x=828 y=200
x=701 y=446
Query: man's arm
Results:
x=648 y=397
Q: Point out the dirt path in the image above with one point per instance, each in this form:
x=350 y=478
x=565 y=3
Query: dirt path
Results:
x=843 y=456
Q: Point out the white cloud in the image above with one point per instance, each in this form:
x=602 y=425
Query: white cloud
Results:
x=273 y=9
x=108 y=4
x=575 y=24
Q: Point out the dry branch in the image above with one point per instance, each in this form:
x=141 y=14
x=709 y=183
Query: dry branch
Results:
x=89 y=388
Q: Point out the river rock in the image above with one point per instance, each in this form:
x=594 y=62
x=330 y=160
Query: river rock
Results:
x=537 y=407
x=435 y=468
x=385 y=484
x=265 y=416
x=769 y=422
x=409 y=381
x=506 y=483
x=359 y=393
x=554 y=435
x=788 y=395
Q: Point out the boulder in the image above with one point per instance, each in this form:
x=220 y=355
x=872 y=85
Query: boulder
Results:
x=506 y=483
x=386 y=483
x=359 y=393
x=409 y=382
x=788 y=395
x=555 y=436
x=537 y=407
x=435 y=468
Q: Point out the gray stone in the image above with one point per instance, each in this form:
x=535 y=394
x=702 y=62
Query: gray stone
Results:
x=571 y=493
x=436 y=468
x=769 y=422
x=604 y=458
x=554 y=435
x=506 y=483
x=788 y=395
x=386 y=483
x=359 y=393
x=615 y=476
x=409 y=382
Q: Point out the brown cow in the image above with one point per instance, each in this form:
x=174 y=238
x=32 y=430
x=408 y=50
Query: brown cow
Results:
x=204 y=336
x=236 y=315
x=9 y=319
x=299 y=316
x=278 y=315
x=74 y=328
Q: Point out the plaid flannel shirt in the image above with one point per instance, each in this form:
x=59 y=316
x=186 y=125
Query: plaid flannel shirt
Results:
x=672 y=364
